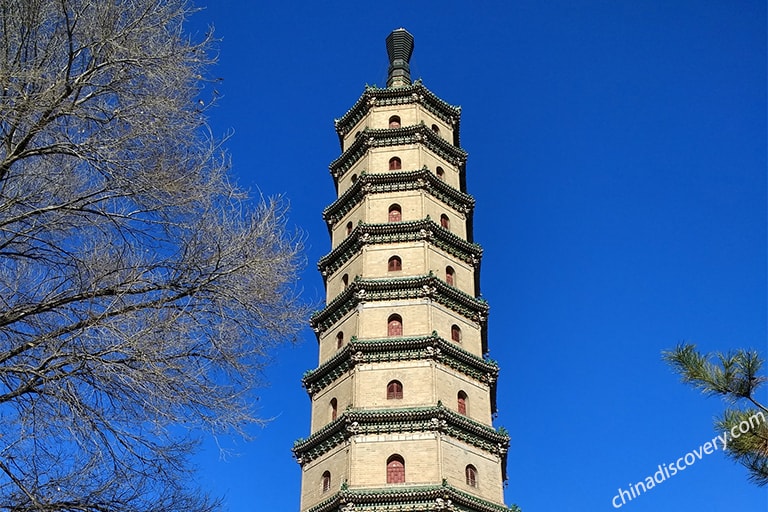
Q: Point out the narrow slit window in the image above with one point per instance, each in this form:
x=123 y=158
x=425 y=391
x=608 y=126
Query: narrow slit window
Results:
x=349 y=227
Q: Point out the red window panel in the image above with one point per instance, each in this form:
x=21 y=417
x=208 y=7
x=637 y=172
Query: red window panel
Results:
x=395 y=326
x=450 y=276
x=462 y=402
x=395 y=470
x=394 y=390
x=395 y=214
x=326 y=481
x=471 y=474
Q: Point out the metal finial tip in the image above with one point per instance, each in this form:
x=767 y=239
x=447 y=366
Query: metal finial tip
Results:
x=399 y=50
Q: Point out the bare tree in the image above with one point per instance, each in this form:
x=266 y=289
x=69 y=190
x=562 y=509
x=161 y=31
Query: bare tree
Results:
x=139 y=288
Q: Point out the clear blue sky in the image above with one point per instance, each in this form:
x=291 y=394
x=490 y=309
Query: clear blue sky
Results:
x=618 y=159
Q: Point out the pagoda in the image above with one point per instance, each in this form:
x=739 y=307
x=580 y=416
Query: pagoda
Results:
x=403 y=397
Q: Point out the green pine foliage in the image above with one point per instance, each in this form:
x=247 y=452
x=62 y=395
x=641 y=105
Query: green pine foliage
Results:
x=734 y=376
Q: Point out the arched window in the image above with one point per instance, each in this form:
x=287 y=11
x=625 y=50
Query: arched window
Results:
x=395 y=325
x=436 y=129
x=354 y=179
x=395 y=470
x=444 y=222
x=394 y=390
x=350 y=226
x=326 y=481
x=345 y=280
x=395 y=164
x=394 y=122
x=340 y=339
x=394 y=264
x=395 y=213
x=450 y=276
x=440 y=173
x=334 y=408
x=461 y=402
x=471 y=473
x=456 y=333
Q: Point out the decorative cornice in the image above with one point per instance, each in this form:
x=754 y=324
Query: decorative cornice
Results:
x=353 y=422
x=416 y=93
x=394 y=232
x=408 y=498
x=382 y=183
x=399 y=349
x=416 y=134
x=416 y=287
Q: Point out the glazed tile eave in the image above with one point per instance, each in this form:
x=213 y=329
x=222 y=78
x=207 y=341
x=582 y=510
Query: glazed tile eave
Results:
x=416 y=93
x=391 y=137
x=355 y=422
x=396 y=232
x=383 y=183
x=432 y=347
x=388 y=289
x=406 y=498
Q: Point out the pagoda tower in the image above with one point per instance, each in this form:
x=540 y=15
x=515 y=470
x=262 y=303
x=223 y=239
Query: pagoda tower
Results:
x=403 y=397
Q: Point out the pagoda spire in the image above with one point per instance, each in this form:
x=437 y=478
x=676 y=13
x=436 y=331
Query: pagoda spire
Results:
x=399 y=49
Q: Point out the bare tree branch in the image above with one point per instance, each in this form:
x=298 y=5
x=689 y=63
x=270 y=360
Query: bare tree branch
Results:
x=139 y=288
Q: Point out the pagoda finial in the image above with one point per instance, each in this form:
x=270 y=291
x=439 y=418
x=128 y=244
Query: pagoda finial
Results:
x=399 y=49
